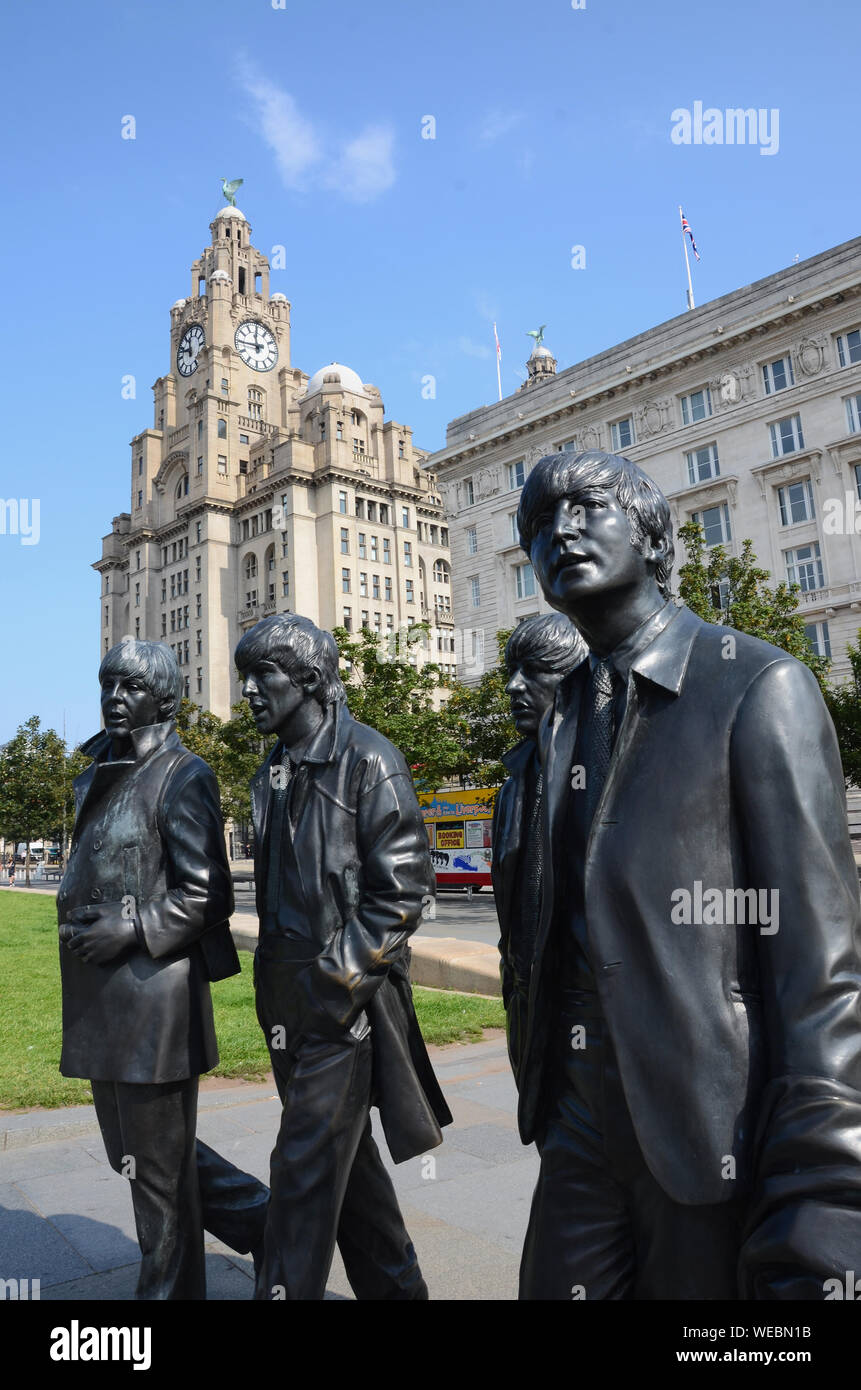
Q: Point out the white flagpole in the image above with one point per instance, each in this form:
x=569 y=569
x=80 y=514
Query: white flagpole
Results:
x=687 y=261
x=498 y=355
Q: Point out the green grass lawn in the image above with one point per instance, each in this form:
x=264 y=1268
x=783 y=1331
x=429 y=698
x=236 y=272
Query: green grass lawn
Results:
x=30 y=1015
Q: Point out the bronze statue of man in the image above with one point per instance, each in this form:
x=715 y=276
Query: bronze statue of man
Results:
x=342 y=870
x=539 y=653
x=144 y=910
x=691 y=1068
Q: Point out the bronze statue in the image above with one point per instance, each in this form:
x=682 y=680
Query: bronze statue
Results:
x=691 y=1068
x=143 y=912
x=539 y=652
x=342 y=871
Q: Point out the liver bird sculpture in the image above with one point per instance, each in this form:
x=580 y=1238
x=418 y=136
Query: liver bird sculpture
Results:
x=229 y=188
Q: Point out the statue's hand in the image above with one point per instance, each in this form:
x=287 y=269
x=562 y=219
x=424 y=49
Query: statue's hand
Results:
x=100 y=934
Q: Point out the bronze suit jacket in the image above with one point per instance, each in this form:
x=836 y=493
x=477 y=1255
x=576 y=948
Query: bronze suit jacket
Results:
x=150 y=827
x=362 y=874
x=739 y=1046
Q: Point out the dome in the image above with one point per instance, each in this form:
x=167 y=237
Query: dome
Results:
x=231 y=212
x=279 y=296
x=219 y=275
x=179 y=304
x=350 y=380
x=540 y=351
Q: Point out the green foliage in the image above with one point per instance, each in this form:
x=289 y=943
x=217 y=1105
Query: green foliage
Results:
x=233 y=748
x=750 y=604
x=388 y=690
x=844 y=705
x=480 y=718
x=36 y=774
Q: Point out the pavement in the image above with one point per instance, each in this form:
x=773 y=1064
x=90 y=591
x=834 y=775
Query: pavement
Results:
x=66 y=1217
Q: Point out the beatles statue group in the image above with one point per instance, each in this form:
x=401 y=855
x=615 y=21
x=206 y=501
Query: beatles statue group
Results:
x=680 y=945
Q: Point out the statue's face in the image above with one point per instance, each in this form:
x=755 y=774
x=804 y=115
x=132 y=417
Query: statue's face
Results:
x=583 y=548
x=273 y=695
x=127 y=703
x=531 y=692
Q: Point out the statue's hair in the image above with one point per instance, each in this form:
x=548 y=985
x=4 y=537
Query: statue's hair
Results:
x=547 y=641
x=567 y=474
x=153 y=662
x=299 y=647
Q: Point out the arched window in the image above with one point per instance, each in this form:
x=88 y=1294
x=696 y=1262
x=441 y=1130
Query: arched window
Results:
x=440 y=572
x=222 y=429
x=182 y=486
x=251 y=567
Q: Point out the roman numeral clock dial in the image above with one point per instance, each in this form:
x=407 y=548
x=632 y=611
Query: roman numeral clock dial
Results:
x=187 y=353
x=256 y=345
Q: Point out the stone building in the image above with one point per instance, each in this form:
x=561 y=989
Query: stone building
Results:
x=259 y=489
x=746 y=411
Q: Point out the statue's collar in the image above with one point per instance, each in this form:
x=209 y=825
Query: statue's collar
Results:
x=144 y=742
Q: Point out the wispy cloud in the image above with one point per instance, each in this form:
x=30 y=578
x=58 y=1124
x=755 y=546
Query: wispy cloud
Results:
x=497 y=123
x=306 y=156
x=472 y=349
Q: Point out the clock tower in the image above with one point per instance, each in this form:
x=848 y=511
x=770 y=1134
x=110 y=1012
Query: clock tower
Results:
x=253 y=486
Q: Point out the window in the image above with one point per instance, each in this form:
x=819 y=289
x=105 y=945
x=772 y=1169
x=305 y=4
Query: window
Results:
x=375 y=586
x=469 y=492
x=243 y=467
x=251 y=598
x=285 y=546
x=251 y=567
x=140 y=499
x=384 y=514
x=405 y=517
x=524 y=580
x=365 y=618
x=185 y=617
x=140 y=464
x=255 y=402
x=363 y=584
x=512 y=528
x=387 y=551
x=198 y=608
x=849 y=347
x=696 y=406
x=173 y=620
x=348 y=619
x=776 y=376
x=222 y=429
x=243 y=439
x=390 y=622
x=622 y=434
x=440 y=572
x=363 y=548
x=199 y=464
x=853 y=414
x=163 y=590
x=164 y=624
x=345 y=581
x=196 y=570
x=432 y=530
x=199 y=679
x=199 y=642
x=360 y=508
x=198 y=534
x=388 y=588
x=339 y=430
x=222 y=464
x=322 y=427
x=443 y=535
x=372 y=511
x=200 y=429
x=345 y=541
x=786 y=436
x=804 y=567
x=516 y=474
x=378 y=622
x=703 y=463
x=474 y=591
x=472 y=540
x=224 y=385
x=137 y=627
x=137 y=596
x=107 y=613
x=408 y=554
x=374 y=551
x=285 y=583
x=715 y=524
x=400 y=456
x=342 y=502
x=796 y=502
x=411 y=598
x=858 y=479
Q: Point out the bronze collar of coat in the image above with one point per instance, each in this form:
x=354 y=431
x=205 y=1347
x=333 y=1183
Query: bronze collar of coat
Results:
x=144 y=742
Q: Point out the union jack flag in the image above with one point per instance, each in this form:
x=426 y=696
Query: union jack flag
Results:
x=686 y=228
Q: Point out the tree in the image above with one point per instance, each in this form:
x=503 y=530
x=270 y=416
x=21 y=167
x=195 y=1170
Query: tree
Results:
x=844 y=705
x=387 y=689
x=34 y=786
x=480 y=718
x=734 y=590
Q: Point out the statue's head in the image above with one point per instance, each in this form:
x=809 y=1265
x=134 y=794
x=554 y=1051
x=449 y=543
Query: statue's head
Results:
x=141 y=684
x=285 y=661
x=593 y=522
x=538 y=654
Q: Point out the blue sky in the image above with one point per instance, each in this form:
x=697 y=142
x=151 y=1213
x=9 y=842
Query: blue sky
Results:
x=553 y=130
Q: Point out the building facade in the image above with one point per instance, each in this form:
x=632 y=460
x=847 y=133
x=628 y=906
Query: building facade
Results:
x=747 y=413
x=260 y=489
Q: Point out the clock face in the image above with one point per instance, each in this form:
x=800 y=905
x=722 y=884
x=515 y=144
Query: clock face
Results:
x=190 y=344
x=256 y=345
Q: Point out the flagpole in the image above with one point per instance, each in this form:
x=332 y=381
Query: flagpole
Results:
x=687 y=261
x=498 y=355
